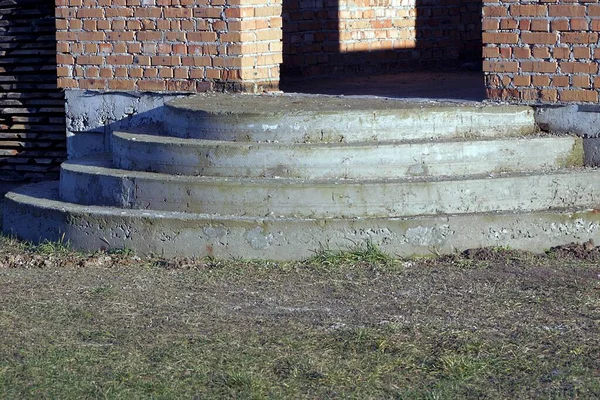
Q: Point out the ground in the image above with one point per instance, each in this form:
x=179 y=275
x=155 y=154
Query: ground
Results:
x=488 y=323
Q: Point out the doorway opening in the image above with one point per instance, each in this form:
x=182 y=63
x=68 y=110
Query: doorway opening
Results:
x=394 y=48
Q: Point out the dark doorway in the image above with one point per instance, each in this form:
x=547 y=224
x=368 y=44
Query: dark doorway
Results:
x=366 y=39
x=32 y=111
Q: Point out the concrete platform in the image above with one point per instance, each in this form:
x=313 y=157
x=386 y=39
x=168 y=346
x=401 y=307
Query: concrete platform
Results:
x=334 y=119
x=417 y=86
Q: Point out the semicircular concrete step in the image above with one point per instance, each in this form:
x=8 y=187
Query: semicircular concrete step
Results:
x=35 y=213
x=381 y=160
x=333 y=119
x=93 y=181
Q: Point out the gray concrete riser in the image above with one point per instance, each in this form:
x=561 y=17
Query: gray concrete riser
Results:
x=31 y=217
x=348 y=125
x=333 y=161
x=95 y=184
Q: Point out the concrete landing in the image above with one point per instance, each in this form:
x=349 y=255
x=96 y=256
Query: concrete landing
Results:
x=310 y=119
x=452 y=86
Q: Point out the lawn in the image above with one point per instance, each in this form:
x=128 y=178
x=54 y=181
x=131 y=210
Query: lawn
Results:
x=491 y=323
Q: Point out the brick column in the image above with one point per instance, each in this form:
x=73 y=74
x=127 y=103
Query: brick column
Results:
x=168 y=45
x=541 y=51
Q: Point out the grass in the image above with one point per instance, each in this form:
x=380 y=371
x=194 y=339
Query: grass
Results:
x=356 y=324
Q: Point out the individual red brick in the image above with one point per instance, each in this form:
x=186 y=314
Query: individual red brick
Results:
x=67 y=83
x=119 y=60
x=548 y=95
x=121 y=84
x=151 y=85
x=528 y=94
x=118 y=12
x=166 y=60
x=579 y=24
x=541 y=52
x=539 y=66
x=578 y=37
x=541 y=80
x=491 y=52
x=540 y=25
x=539 y=38
x=89 y=60
x=561 y=52
x=91 y=72
x=119 y=36
x=92 y=84
x=560 y=81
x=578 y=67
x=488 y=24
x=500 y=66
x=522 y=80
x=498 y=38
x=581 y=52
x=508 y=23
x=181 y=85
x=106 y=72
x=578 y=95
x=560 y=25
x=528 y=10
x=170 y=12
x=581 y=81
x=90 y=13
x=566 y=11
x=522 y=52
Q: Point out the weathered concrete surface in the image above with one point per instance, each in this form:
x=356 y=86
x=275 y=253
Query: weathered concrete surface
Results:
x=157 y=153
x=93 y=116
x=398 y=196
x=94 y=182
x=581 y=120
x=335 y=119
x=174 y=233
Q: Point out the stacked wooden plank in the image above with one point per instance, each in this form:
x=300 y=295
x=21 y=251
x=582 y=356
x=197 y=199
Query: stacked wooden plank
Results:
x=32 y=112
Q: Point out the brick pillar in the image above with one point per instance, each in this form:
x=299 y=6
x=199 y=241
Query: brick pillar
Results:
x=168 y=45
x=542 y=51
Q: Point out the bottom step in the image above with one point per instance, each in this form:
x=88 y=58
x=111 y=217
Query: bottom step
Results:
x=34 y=213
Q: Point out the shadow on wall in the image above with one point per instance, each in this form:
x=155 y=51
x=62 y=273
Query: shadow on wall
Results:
x=345 y=37
x=32 y=117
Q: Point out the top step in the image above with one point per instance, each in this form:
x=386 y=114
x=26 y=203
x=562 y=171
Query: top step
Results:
x=311 y=119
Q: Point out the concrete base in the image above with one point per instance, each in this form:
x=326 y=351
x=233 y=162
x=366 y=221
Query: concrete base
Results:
x=408 y=177
x=174 y=233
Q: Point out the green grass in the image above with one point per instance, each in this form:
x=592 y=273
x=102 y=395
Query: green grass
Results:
x=358 y=324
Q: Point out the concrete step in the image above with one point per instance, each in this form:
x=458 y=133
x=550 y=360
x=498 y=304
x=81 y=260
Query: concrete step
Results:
x=35 y=213
x=379 y=160
x=334 y=119
x=93 y=181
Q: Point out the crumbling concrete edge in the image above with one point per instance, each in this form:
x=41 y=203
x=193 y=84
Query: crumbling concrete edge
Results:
x=92 y=117
x=34 y=213
x=575 y=119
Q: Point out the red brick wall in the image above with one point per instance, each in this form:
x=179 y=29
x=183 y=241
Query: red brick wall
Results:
x=168 y=45
x=542 y=51
x=332 y=36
